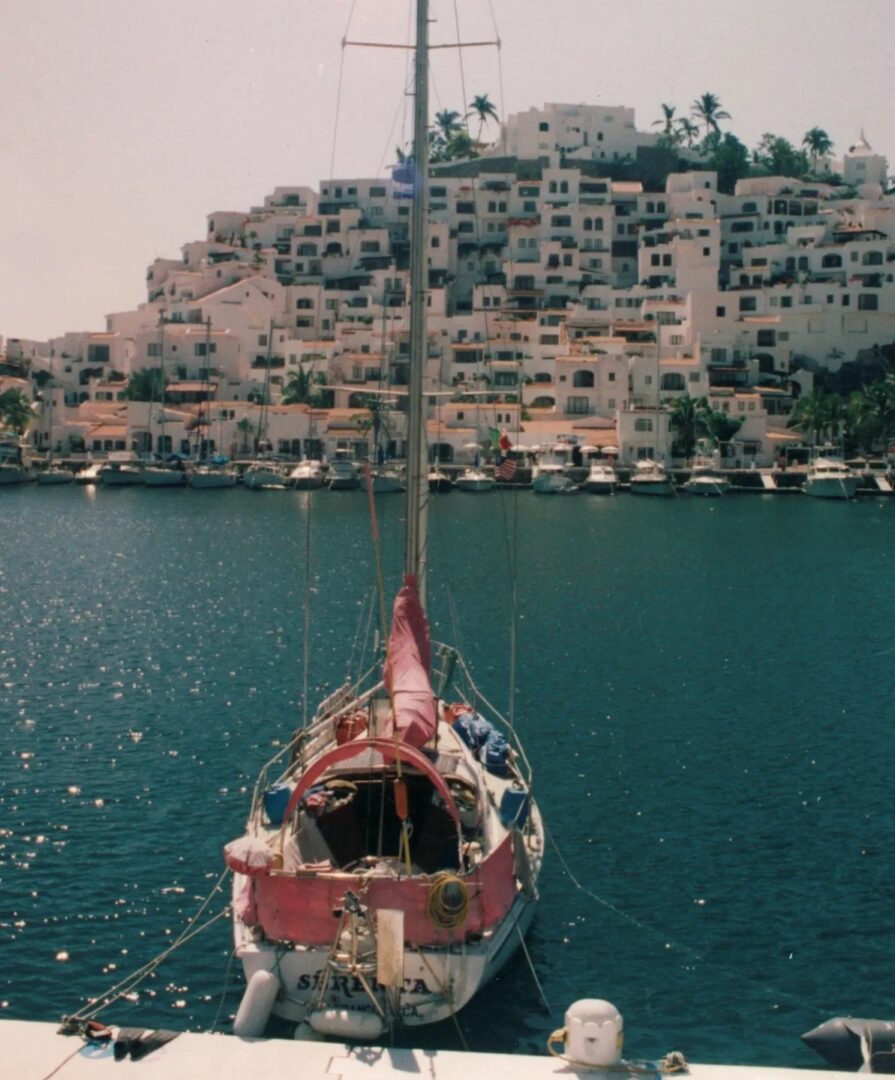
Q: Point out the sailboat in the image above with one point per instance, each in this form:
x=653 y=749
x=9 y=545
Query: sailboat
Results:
x=390 y=861
x=162 y=473
x=264 y=474
x=216 y=472
x=52 y=473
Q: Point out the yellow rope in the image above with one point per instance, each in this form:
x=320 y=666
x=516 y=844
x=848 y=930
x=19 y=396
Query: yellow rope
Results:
x=443 y=913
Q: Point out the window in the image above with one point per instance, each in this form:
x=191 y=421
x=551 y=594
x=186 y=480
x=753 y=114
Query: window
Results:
x=643 y=423
x=868 y=302
x=694 y=376
x=748 y=303
x=766 y=338
x=672 y=380
x=377 y=192
x=611 y=376
x=543 y=126
x=577 y=406
x=720 y=312
x=583 y=379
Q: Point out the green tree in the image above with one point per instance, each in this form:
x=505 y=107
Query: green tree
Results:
x=667 y=120
x=245 y=427
x=447 y=124
x=686 y=413
x=297 y=390
x=146 y=384
x=484 y=109
x=818 y=144
x=707 y=110
x=687 y=131
x=820 y=415
x=730 y=160
x=717 y=426
x=15 y=410
x=871 y=414
x=779 y=156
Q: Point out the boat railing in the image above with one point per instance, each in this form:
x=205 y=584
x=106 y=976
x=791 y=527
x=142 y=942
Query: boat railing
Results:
x=307 y=741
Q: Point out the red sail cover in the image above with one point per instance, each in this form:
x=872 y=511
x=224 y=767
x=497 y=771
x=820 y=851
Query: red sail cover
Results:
x=407 y=668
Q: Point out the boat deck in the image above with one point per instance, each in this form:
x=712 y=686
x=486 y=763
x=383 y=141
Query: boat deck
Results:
x=33 y=1050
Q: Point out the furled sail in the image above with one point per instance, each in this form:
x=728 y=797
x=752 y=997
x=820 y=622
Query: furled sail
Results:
x=407 y=668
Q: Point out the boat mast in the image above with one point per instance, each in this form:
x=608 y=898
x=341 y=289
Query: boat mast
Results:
x=417 y=457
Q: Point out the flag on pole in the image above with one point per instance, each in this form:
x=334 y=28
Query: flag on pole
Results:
x=506 y=469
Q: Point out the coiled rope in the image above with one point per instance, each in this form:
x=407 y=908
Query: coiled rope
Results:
x=448 y=904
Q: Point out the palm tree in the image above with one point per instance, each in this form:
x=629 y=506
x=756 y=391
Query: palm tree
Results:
x=484 y=109
x=685 y=422
x=145 y=385
x=871 y=413
x=707 y=109
x=687 y=130
x=667 y=120
x=821 y=415
x=818 y=144
x=447 y=124
x=15 y=410
x=716 y=426
x=245 y=426
x=298 y=389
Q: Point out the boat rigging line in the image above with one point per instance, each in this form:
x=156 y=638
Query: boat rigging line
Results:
x=670 y=944
x=77 y=1021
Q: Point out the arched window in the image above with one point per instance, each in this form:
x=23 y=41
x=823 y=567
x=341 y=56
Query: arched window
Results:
x=872 y=258
x=543 y=376
x=583 y=379
x=543 y=402
x=830 y=261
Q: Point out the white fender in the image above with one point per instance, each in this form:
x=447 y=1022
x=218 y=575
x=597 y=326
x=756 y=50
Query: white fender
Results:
x=347 y=1023
x=255 y=1007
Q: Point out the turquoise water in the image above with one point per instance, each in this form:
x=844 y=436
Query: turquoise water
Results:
x=704 y=687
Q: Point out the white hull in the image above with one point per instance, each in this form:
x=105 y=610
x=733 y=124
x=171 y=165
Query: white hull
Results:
x=89 y=475
x=14 y=474
x=262 y=478
x=55 y=476
x=121 y=477
x=209 y=479
x=153 y=477
x=422 y=1002
x=832 y=487
x=601 y=480
x=307 y=477
x=387 y=483
x=552 y=483
x=706 y=486
x=651 y=487
x=475 y=480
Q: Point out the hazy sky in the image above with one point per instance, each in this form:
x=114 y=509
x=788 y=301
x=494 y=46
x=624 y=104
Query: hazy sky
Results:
x=125 y=122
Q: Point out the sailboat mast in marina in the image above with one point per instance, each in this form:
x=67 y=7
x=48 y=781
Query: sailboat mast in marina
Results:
x=390 y=860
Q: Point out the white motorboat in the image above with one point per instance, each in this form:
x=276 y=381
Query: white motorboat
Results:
x=164 y=474
x=13 y=467
x=89 y=474
x=55 y=474
x=830 y=478
x=602 y=479
x=440 y=482
x=549 y=475
x=388 y=480
x=307 y=475
x=122 y=468
x=390 y=860
x=650 y=478
x=211 y=476
x=264 y=476
x=342 y=474
x=476 y=480
x=706 y=480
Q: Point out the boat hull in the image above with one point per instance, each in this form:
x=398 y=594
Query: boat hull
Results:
x=158 y=478
x=706 y=488
x=14 y=474
x=121 y=477
x=832 y=487
x=210 y=479
x=552 y=484
x=262 y=479
x=651 y=487
x=55 y=476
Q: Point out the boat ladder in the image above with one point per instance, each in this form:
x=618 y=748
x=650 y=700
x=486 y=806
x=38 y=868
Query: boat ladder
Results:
x=768 y=482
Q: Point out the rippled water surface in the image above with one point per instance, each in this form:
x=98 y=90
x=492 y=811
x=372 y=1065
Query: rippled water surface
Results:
x=705 y=688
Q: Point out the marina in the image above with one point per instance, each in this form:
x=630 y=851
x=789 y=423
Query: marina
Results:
x=699 y=782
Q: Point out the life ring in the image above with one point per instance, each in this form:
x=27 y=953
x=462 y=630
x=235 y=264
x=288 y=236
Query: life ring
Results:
x=448 y=903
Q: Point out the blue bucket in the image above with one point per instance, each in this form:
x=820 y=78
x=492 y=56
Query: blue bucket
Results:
x=514 y=807
x=276 y=799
